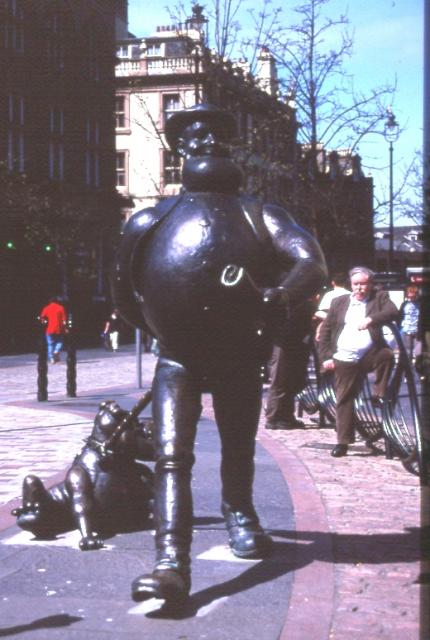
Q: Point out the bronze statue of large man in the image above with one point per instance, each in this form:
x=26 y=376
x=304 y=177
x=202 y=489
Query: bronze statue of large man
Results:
x=202 y=272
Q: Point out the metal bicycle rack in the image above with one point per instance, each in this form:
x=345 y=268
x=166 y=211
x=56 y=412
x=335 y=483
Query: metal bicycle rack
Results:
x=401 y=416
x=397 y=421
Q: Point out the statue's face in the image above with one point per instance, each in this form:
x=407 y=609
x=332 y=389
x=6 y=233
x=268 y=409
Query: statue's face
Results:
x=202 y=139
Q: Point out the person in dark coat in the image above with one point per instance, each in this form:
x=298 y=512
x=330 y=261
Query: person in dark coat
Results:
x=288 y=368
x=201 y=272
x=351 y=343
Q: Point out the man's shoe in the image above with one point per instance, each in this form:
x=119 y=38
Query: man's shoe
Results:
x=339 y=450
x=275 y=425
x=246 y=537
x=294 y=423
x=290 y=423
x=376 y=402
x=165 y=584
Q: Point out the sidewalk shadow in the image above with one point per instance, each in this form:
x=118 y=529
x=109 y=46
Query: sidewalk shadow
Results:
x=291 y=556
x=350 y=548
x=278 y=564
x=50 y=622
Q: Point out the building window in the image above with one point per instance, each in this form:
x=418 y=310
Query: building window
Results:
x=15 y=134
x=171 y=103
x=122 y=51
x=121 y=112
x=176 y=49
x=92 y=62
x=121 y=169
x=171 y=168
x=153 y=49
x=55 y=43
x=56 y=143
x=13 y=26
x=92 y=153
x=130 y=51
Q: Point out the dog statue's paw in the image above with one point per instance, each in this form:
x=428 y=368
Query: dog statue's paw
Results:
x=29 y=516
x=91 y=542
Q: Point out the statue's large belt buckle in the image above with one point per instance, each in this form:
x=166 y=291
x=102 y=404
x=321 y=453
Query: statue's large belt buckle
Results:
x=231 y=275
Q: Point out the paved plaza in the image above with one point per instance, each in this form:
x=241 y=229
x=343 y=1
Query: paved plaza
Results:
x=347 y=554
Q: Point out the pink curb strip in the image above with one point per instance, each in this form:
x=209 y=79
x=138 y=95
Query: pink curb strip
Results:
x=310 y=610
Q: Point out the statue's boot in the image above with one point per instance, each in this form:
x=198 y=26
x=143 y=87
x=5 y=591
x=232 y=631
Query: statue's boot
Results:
x=237 y=404
x=246 y=537
x=173 y=388
x=170 y=579
x=176 y=410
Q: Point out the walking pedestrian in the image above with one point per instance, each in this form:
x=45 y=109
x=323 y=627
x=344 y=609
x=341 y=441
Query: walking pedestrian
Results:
x=111 y=330
x=409 y=318
x=54 y=317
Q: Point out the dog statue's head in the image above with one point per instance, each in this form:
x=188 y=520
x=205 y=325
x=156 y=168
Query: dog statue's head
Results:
x=136 y=439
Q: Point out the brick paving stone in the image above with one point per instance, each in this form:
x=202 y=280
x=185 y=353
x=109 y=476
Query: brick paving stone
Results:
x=373 y=511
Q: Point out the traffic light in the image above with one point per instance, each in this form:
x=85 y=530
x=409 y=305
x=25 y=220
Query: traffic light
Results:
x=48 y=248
x=10 y=245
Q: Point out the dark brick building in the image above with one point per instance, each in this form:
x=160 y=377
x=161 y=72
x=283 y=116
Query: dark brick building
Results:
x=334 y=199
x=57 y=157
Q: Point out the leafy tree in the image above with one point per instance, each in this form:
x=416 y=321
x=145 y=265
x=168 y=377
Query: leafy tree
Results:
x=408 y=195
x=311 y=52
x=58 y=219
x=312 y=55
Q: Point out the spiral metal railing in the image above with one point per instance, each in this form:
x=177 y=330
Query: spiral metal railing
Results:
x=397 y=420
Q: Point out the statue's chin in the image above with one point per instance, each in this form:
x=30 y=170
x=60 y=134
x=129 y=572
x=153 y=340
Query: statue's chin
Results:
x=211 y=174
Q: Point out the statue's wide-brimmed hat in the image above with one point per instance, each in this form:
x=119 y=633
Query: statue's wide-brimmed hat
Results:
x=223 y=121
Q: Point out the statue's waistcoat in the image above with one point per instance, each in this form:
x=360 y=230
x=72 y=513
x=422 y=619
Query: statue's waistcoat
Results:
x=186 y=300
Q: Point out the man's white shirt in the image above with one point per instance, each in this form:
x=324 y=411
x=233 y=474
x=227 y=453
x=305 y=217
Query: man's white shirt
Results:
x=353 y=342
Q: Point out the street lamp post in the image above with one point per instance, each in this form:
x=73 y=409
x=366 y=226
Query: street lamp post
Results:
x=196 y=29
x=391 y=134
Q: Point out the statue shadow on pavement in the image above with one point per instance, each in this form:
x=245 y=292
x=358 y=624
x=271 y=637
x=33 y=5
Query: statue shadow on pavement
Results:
x=278 y=564
x=287 y=557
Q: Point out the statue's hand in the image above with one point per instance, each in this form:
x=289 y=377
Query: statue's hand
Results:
x=91 y=542
x=275 y=296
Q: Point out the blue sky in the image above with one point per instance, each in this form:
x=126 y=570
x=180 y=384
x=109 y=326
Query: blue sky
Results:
x=388 y=47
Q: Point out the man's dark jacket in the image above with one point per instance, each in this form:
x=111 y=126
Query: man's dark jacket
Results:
x=379 y=307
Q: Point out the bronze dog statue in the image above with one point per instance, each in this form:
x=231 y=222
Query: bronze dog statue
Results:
x=106 y=489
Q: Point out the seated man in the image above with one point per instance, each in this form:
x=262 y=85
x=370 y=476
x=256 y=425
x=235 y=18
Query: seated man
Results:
x=352 y=344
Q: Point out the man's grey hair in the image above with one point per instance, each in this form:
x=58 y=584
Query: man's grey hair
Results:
x=367 y=272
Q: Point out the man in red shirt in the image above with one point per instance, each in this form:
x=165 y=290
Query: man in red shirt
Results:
x=54 y=316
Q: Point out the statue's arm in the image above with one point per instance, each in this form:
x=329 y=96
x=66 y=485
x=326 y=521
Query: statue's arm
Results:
x=303 y=270
x=133 y=235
